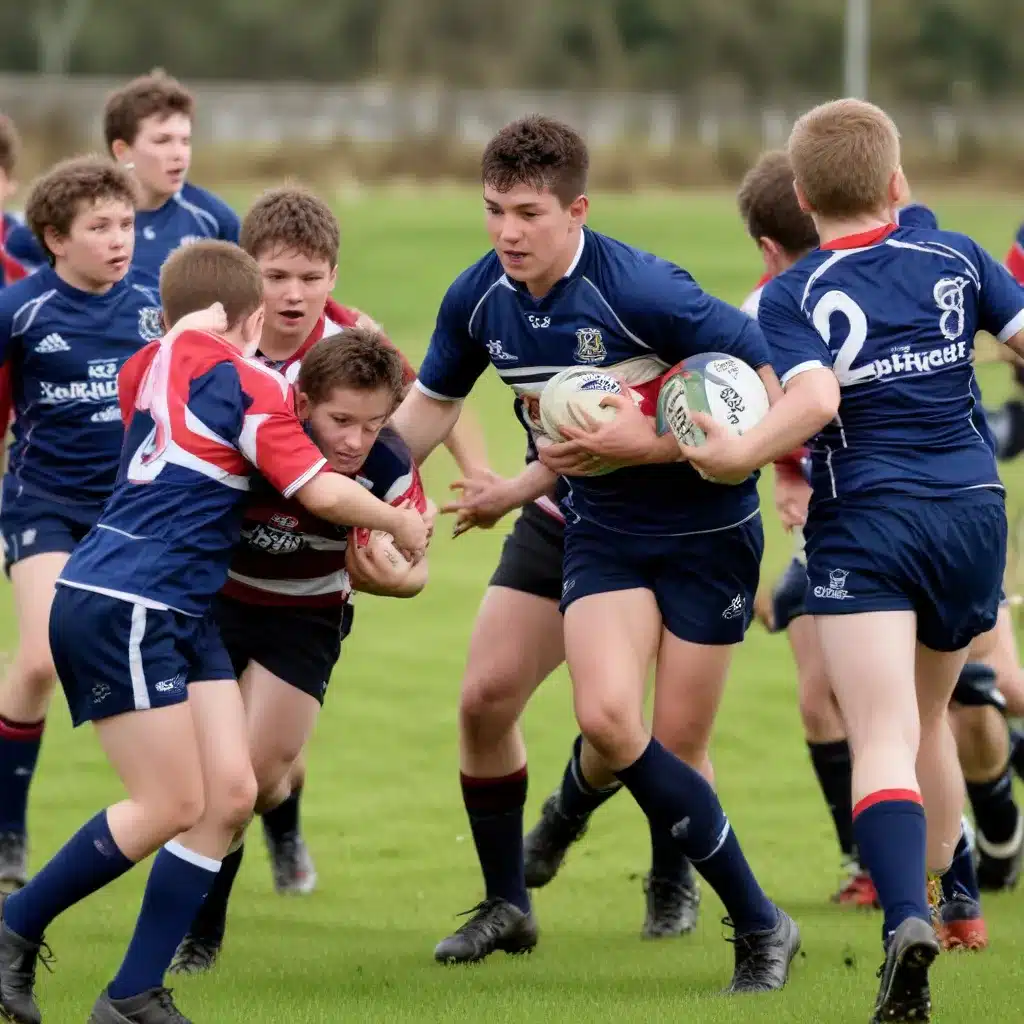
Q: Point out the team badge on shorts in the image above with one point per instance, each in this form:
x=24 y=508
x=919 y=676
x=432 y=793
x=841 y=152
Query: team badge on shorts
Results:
x=589 y=346
x=150 y=324
x=836 y=589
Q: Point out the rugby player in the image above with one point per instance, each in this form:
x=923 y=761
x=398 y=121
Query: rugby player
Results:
x=147 y=126
x=139 y=655
x=286 y=608
x=644 y=545
x=65 y=331
x=872 y=334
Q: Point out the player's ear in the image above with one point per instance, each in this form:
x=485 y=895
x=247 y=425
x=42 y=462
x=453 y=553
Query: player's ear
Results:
x=801 y=198
x=252 y=328
x=899 y=189
x=120 y=150
x=578 y=209
x=771 y=255
x=303 y=406
x=55 y=241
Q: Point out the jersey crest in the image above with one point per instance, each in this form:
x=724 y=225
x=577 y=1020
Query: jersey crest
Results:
x=151 y=324
x=589 y=346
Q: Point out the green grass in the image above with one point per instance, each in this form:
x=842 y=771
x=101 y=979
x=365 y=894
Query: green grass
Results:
x=383 y=811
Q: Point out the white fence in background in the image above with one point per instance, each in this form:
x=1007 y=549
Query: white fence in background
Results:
x=268 y=112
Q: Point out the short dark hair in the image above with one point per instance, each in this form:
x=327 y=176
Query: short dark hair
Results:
x=152 y=95
x=769 y=206
x=199 y=274
x=540 y=152
x=360 y=358
x=10 y=145
x=63 y=192
x=294 y=218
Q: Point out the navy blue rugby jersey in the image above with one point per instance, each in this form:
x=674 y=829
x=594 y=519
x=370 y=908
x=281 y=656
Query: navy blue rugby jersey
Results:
x=64 y=348
x=189 y=216
x=615 y=303
x=894 y=313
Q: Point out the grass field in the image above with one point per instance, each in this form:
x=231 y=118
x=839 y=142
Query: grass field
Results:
x=383 y=811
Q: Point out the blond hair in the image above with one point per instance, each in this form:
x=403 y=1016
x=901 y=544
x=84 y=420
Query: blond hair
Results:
x=844 y=155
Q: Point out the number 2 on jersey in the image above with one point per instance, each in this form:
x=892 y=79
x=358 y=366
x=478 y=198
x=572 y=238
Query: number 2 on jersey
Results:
x=857 y=334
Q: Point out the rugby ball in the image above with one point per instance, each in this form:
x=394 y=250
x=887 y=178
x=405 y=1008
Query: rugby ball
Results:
x=720 y=385
x=574 y=392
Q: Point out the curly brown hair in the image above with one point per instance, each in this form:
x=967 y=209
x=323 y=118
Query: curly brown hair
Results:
x=63 y=192
x=152 y=95
x=540 y=152
x=199 y=274
x=291 y=218
x=360 y=358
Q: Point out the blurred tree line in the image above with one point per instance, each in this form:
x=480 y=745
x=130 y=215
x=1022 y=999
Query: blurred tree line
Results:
x=934 y=51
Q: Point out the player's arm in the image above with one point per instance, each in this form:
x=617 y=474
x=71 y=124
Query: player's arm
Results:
x=1000 y=302
x=810 y=399
x=467 y=444
x=453 y=362
x=485 y=498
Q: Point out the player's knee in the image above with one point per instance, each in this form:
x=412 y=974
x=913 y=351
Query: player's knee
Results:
x=32 y=674
x=689 y=740
x=180 y=811
x=609 y=726
x=982 y=743
x=487 y=699
x=818 y=710
x=234 y=797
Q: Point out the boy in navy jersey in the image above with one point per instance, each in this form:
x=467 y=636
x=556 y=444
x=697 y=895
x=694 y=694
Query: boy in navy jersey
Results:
x=286 y=607
x=147 y=125
x=137 y=651
x=654 y=557
x=64 y=332
x=872 y=335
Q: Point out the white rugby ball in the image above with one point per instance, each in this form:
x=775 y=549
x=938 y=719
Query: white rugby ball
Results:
x=577 y=391
x=720 y=385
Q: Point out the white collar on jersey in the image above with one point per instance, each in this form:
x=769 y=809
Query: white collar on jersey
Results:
x=579 y=254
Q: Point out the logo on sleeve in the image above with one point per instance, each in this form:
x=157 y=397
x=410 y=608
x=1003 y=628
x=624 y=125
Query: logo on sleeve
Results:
x=150 y=323
x=836 y=589
x=589 y=346
x=498 y=354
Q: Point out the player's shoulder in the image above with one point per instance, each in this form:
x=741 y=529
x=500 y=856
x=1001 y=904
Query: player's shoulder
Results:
x=917 y=215
x=612 y=258
x=959 y=251
x=22 y=301
x=210 y=208
x=477 y=280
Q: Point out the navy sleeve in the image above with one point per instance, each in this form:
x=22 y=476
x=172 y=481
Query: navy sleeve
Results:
x=794 y=344
x=23 y=246
x=1001 y=298
x=454 y=359
x=230 y=225
x=670 y=313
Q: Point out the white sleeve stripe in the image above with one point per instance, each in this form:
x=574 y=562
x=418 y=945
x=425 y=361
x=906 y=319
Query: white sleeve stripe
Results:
x=436 y=395
x=810 y=364
x=1015 y=326
x=301 y=481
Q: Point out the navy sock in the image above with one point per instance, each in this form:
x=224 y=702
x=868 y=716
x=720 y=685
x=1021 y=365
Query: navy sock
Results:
x=495 y=809
x=178 y=884
x=995 y=810
x=668 y=861
x=210 y=921
x=87 y=862
x=680 y=801
x=283 y=820
x=19 y=751
x=834 y=768
x=889 y=827
x=959 y=879
x=577 y=798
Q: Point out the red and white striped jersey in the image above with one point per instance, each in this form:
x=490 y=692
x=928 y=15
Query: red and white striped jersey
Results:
x=289 y=557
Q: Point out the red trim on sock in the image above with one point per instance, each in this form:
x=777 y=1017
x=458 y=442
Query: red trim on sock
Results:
x=21 y=732
x=883 y=795
x=475 y=782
